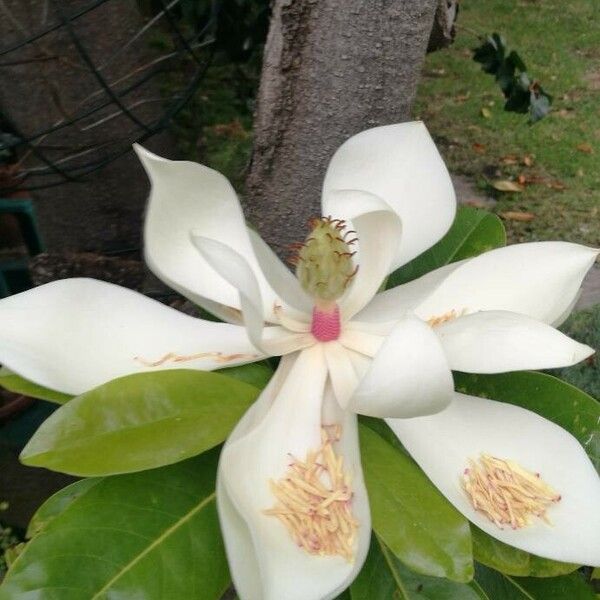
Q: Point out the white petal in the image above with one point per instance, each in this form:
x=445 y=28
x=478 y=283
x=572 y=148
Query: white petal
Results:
x=266 y=563
x=343 y=375
x=75 y=334
x=408 y=377
x=378 y=231
x=401 y=165
x=235 y=269
x=538 y=279
x=442 y=444
x=280 y=278
x=395 y=302
x=499 y=341
x=187 y=196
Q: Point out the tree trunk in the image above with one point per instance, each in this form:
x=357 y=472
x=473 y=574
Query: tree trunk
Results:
x=331 y=69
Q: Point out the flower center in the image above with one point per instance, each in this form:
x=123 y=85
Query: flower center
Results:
x=506 y=493
x=323 y=262
x=314 y=501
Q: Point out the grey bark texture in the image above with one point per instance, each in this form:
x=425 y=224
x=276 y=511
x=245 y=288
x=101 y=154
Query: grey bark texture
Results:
x=331 y=69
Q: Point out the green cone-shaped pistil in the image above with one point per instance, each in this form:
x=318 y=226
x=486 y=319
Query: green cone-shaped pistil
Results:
x=324 y=263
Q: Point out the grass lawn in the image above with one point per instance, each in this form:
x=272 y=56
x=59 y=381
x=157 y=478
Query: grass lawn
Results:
x=560 y=44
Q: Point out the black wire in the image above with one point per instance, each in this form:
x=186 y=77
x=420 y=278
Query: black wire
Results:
x=79 y=172
x=88 y=61
x=50 y=29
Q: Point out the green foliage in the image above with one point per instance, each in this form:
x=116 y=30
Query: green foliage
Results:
x=151 y=535
x=411 y=516
x=545 y=395
x=256 y=374
x=512 y=561
x=140 y=421
x=561 y=180
x=16 y=383
x=499 y=586
x=474 y=231
x=384 y=577
x=522 y=94
x=584 y=326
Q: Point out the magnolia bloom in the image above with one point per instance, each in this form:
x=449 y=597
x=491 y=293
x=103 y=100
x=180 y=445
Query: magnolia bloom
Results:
x=291 y=497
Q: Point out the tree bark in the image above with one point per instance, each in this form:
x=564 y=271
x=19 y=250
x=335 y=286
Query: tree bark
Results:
x=331 y=69
x=443 y=30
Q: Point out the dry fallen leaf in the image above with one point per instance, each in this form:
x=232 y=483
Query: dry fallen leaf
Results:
x=528 y=160
x=505 y=185
x=476 y=203
x=557 y=185
x=509 y=159
x=479 y=148
x=486 y=113
x=585 y=147
x=513 y=215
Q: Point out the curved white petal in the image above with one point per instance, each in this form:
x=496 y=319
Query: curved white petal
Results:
x=75 y=334
x=395 y=302
x=538 y=279
x=186 y=196
x=400 y=164
x=342 y=373
x=280 y=278
x=266 y=563
x=499 y=341
x=409 y=375
x=442 y=445
x=235 y=269
x=378 y=230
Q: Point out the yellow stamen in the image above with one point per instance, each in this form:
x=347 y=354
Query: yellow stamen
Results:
x=177 y=358
x=506 y=493
x=314 y=501
x=449 y=316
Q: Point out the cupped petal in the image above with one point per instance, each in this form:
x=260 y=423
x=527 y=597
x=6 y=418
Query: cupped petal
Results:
x=499 y=341
x=400 y=164
x=186 y=196
x=409 y=376
x=442 y=445
x=75 y=334
x=378 y=229
x=282 y=429
x=538 y=279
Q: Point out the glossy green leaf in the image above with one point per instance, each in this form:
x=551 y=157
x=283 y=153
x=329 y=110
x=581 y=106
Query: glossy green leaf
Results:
x=410 y=515
x=140 y=421
x=384 y=577
x=512 y=561
x=557 y=401
x=257 y=374
x=151 y=536
x=474 y=231
x=57 y=504
x=15 y=383
x=499 y=586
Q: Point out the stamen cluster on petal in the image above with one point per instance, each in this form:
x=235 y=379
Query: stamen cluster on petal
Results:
x=324 y=264
x=315 y=499
x=506 y=493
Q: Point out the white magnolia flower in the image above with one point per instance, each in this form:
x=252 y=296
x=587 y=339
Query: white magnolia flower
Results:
x=292 y=502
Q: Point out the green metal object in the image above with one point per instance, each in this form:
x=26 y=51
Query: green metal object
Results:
x=14 y=272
